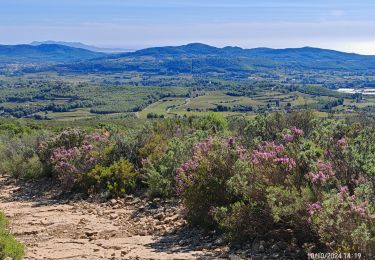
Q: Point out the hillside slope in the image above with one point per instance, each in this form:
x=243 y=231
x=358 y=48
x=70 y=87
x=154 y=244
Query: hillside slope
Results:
x=200 y=58
x=44 y=53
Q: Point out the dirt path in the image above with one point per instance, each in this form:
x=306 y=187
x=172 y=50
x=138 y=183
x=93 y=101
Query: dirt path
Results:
x=130 y=228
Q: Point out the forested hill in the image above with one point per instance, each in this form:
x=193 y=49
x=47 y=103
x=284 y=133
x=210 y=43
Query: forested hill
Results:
x=200 y=58
x=191 y=58
x=45 y=53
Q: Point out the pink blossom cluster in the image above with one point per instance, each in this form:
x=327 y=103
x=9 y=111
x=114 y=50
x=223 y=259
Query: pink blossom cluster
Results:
x=288 y=162
x=360 y=209
x=189 y=166
x=313 y=208
x=87 y=147
x=239 y=149
x=203 y=147
x=96 y=137
x=62 y=154
x=241 y=152
x=344 y=191
x=260 y=155
x=297 y=132
x=288 y=137
x=324 y=172
x=184 y=172
x=70 y=162
x=267 y=151
x=271 y=152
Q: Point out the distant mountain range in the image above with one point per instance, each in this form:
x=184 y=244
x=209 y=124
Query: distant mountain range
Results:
x=191 y=58
x=83 y=46
x=45 y=53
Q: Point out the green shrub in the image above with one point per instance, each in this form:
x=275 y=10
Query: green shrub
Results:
x=157 y=184
x=288 y=204
x=241 y=221
x=114 y=180
x=9 y=247
x=14 y=129
x=18 y=157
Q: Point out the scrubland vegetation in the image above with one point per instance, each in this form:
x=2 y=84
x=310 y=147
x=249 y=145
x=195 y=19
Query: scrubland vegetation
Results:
x=243 y=177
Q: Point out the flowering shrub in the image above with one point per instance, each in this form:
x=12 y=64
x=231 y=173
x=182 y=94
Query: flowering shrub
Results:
x=202 y=181
x=73 y=153
x=159 y=171
x=346 y=222
x=272 y=163
x=287 y=181
x=324 y=173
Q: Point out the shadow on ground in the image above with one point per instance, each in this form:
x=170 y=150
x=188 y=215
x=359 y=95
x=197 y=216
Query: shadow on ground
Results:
x=188 y=239
x=41 y=192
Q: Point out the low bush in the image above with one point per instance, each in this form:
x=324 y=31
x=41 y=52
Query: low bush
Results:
x=18 y=157
x=9 y=247
x=202 y=181
x=160 y=169
x=344 y=222
x=72 y=154
x=114 y=180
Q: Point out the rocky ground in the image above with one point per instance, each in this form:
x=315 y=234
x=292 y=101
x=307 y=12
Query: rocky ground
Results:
x=55 y=226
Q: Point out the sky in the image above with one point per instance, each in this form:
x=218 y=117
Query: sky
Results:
x=333 y=24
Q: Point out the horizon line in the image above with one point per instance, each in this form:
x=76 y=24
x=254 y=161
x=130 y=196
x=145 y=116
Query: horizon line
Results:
x=134 y=49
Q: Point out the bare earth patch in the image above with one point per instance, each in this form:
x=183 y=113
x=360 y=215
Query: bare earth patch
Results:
x=55 y=226
x=129 y=228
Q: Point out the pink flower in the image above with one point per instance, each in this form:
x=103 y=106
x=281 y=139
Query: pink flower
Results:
x=324 y=172
x=288 y=137
x=360 y=210
x=87 y=147
x=241 y=152
x=203 y=147
x=297 y=132
x=344 y=190
x=313 y=208
x=289 y=162
x=144 y=162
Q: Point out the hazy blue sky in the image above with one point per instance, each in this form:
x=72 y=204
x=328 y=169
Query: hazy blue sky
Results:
x=335 y=24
